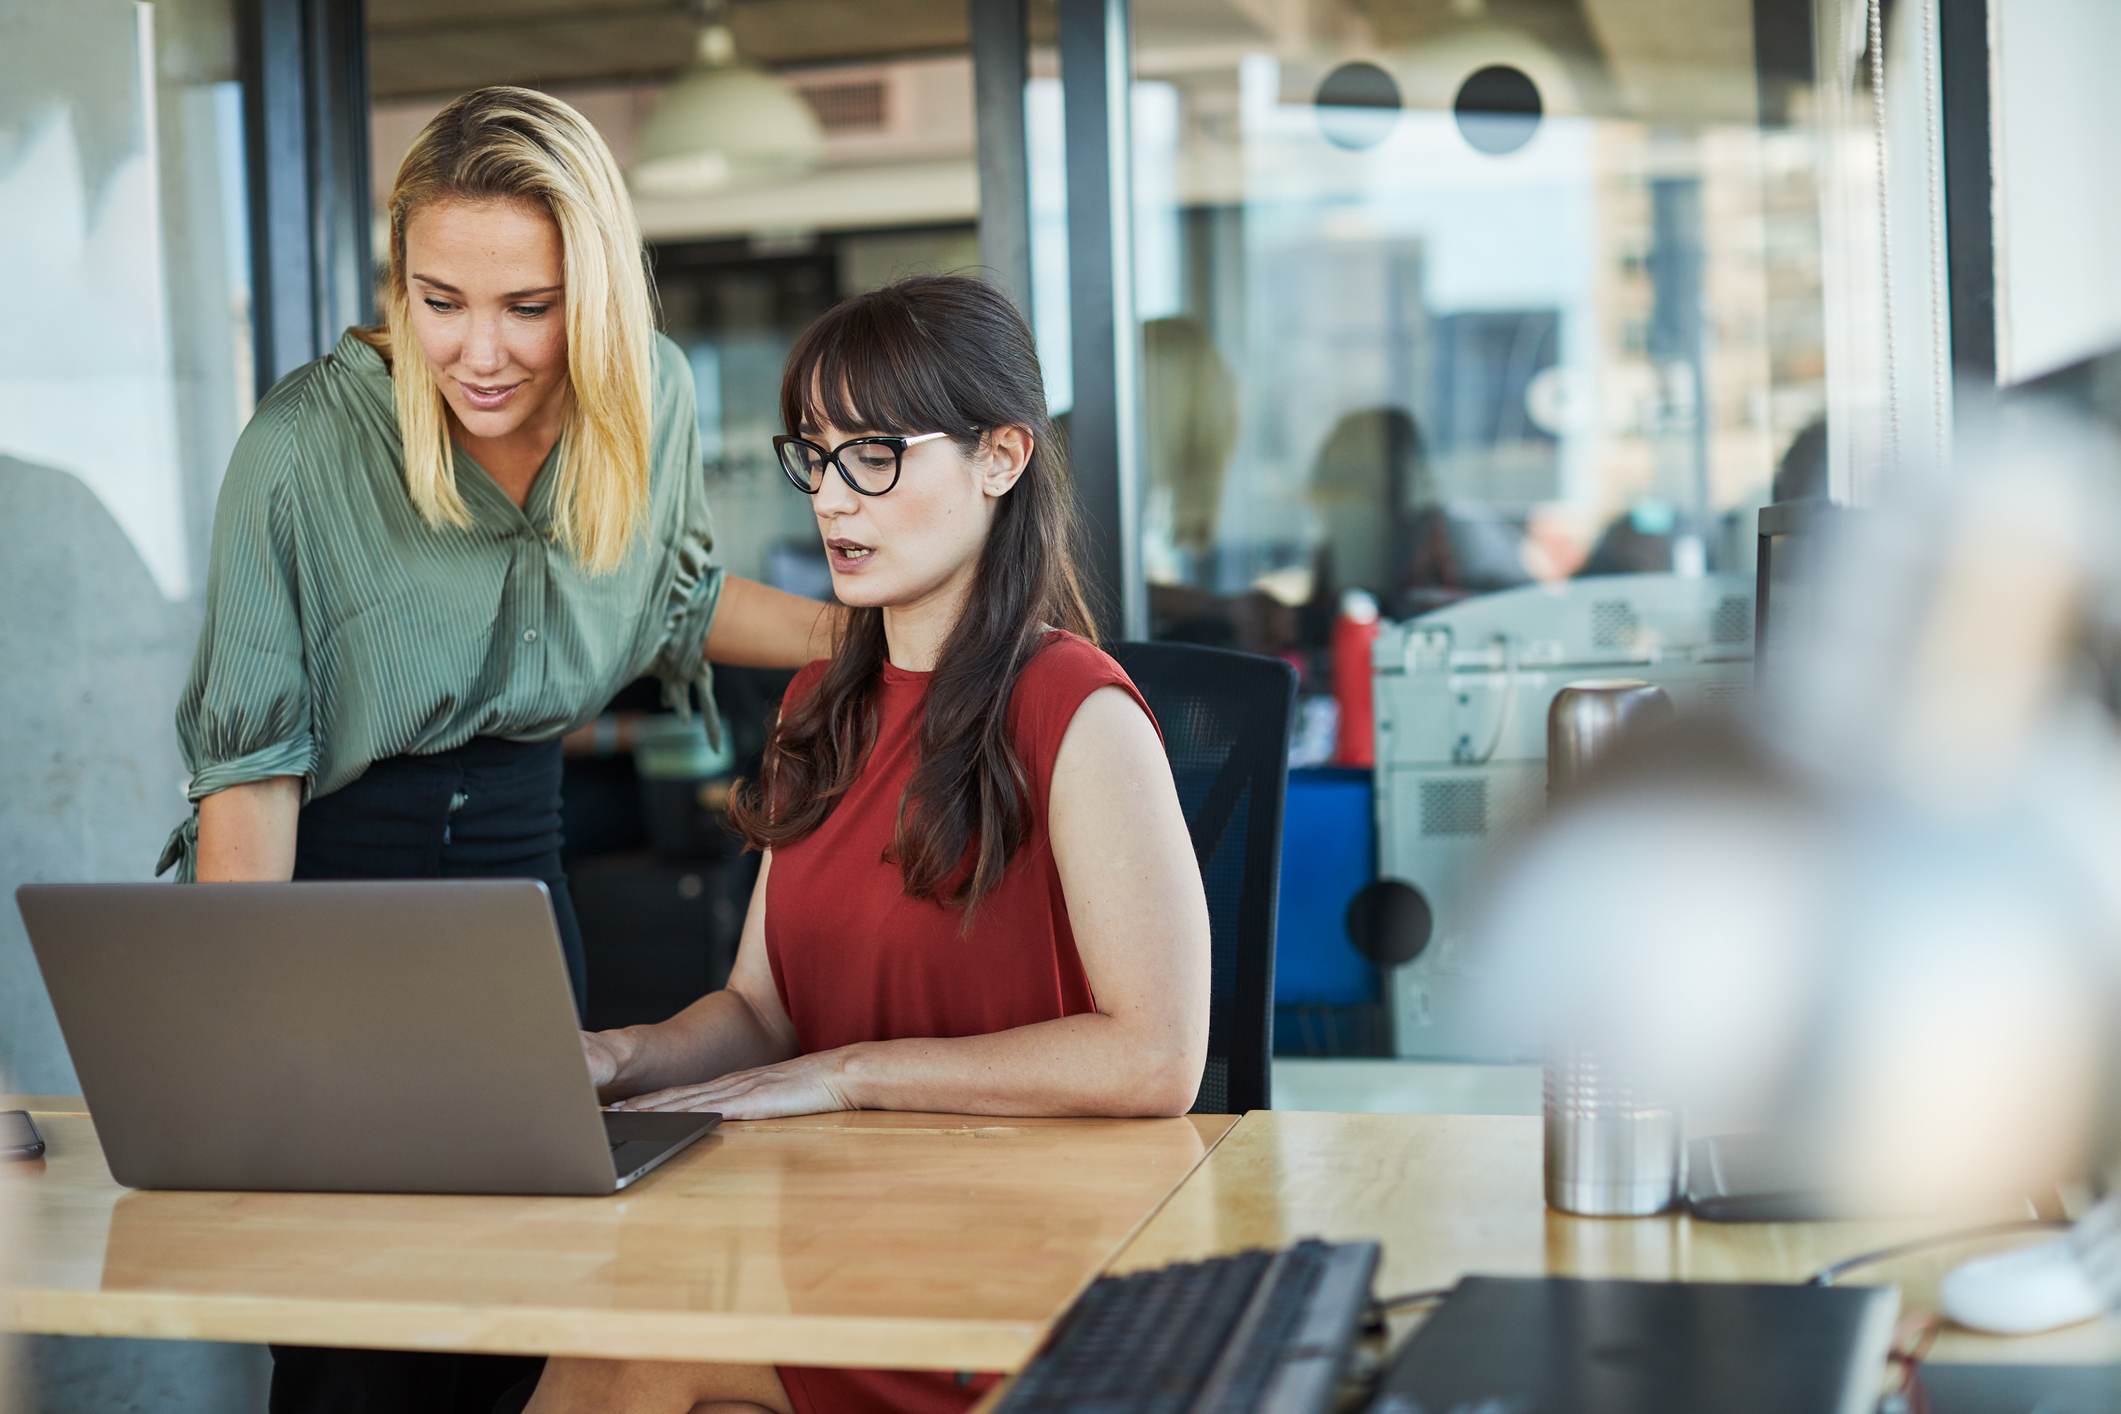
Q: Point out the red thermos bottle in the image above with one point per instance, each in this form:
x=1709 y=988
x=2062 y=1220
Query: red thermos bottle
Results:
x=1355 y=741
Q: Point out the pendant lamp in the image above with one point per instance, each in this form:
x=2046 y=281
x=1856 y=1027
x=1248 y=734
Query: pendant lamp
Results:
x=722 y=124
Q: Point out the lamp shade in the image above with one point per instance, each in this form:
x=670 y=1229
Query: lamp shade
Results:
x=723 y=124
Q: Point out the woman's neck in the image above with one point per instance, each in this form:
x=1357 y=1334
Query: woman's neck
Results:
x=914 y=634
x=513 y=461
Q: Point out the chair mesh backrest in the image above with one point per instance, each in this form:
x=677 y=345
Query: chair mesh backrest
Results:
x=1226 y=720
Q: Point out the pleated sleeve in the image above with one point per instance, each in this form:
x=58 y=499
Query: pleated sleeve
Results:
x=693 y=588
x=245 y=712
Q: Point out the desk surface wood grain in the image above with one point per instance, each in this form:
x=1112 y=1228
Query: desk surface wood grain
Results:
x=1453 y=1195
x=869 y=1239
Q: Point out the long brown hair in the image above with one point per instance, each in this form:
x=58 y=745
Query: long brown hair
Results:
x=935 y=353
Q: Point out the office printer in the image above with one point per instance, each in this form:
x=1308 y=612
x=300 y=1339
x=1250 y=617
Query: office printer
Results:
x=1461 y=711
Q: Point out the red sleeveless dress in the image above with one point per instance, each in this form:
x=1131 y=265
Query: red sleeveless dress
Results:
x=855 y=959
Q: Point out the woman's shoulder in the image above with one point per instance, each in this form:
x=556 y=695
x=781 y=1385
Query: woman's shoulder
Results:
x=268 y=455
x=1065 y=671
x=1065 y=661
x=322 y=389
x=310 y=417
x=666 y=355
x=670 y=374
x=804 y=683
x=294 y=402
x=673 y=413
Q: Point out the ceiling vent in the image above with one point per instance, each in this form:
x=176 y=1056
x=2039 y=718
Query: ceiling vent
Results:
x=856 y=106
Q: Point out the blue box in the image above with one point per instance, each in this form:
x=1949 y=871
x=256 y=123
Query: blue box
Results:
x=1328 y=852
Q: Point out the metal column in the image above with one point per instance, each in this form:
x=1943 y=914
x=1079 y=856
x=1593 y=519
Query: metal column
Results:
x=1000 y=68
x=1104 y=427
x=306 y=108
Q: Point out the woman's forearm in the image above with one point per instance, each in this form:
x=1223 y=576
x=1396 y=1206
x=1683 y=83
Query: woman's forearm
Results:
x=1089 y=1064
x=757 y=626
x=247 y=832
x=718 y=1033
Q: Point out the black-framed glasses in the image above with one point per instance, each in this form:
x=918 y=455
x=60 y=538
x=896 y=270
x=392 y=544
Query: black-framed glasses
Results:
x=869 y=464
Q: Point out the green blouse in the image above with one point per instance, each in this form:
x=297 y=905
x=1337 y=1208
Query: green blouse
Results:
x=341 y=629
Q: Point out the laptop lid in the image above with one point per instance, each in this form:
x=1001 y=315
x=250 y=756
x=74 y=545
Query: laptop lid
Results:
x=408 y=1037
x=1550 y=1345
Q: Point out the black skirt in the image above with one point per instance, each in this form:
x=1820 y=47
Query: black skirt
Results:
x=488 y=810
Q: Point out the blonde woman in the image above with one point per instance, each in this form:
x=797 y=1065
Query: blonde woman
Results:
x=443 y=545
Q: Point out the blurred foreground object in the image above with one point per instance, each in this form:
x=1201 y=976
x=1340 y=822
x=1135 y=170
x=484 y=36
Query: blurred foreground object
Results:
x=1881 y=913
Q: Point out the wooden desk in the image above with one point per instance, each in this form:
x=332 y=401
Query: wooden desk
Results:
x=1451 y=1195
x=886 y=1240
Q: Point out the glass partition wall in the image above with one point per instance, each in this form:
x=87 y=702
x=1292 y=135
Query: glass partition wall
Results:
x=127 y=358
x=1472 y=336
x=1440 y=300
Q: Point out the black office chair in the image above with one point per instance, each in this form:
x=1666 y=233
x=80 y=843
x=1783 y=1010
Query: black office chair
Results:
x=1226 y=720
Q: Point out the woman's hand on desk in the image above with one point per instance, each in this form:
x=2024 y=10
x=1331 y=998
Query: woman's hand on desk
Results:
x=806 y=1085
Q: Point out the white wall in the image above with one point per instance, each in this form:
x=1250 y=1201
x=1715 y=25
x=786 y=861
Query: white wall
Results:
x=2057 y=166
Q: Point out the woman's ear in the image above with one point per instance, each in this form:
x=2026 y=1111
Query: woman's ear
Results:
x=1006 y=453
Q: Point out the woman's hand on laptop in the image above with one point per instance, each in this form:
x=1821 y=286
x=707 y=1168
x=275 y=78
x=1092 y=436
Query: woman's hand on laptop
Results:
x=805 y=1085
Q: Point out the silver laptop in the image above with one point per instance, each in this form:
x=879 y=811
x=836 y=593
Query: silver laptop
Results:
x=327 y=1037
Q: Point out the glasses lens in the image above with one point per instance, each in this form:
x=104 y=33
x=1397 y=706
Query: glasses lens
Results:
x=805 y=467
x=873 y=465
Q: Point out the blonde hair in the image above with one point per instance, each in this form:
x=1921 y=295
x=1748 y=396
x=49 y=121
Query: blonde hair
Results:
x=515 y=144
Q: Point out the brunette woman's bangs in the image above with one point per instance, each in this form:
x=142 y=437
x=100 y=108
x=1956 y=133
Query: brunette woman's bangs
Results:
x=870 y=365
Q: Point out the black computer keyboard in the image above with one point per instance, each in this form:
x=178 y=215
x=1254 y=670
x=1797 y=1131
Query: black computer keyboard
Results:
x=1255 y=1331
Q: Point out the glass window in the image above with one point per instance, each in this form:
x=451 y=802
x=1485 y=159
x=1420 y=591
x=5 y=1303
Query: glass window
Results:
x=126 y=372
x=1443 y=301
x=121 y=165
x=1496 y=322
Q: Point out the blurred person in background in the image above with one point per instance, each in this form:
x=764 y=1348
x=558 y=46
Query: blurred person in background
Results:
x=1190 y=425
x=1801 y=473
x=1388 y=530
x=1189 y=408
x=443 y=546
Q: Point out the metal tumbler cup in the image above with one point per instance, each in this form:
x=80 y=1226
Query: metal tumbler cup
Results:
x=1611 y=1150
x=1588 y=717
